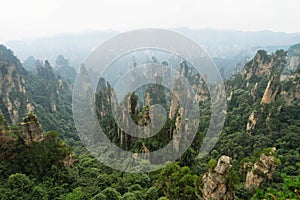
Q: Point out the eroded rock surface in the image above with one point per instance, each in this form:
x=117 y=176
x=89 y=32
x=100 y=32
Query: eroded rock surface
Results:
x=30 y=130
x=262 y=169
x=216 y=181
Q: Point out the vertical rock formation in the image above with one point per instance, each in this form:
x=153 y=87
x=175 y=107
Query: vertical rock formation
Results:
x=29 y=131
x=216 y=181
x=262 y=170
x=174 y=106
x=177 y=136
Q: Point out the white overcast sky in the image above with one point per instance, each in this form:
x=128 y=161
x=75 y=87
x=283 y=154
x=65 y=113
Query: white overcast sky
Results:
x=21 y=19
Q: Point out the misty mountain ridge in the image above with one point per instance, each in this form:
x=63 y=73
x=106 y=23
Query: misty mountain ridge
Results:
x=225 y=44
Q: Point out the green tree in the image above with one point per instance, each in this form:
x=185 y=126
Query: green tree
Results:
x=76 y=194
x=177 y=182
x=111 y=193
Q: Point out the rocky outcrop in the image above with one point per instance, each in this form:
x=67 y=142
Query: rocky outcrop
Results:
x=216 y=181
x=30 y=130
x=262 y=170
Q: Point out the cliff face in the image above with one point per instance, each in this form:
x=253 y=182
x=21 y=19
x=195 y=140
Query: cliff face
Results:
x=294 y=57
x=216 y=181
x=12 y=86
x=270 y=91
x=261 y=77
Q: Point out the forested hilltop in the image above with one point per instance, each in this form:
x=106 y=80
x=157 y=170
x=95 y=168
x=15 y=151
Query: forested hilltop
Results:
x=256 y=157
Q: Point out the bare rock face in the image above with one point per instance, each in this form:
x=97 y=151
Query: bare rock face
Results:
x=270 y=92
x=177 y=136
x=69 y=161
x=261 y=170
x=254 y=91
x=216 y=181
x=251 y=121
x=223 y=164
x=30 y=130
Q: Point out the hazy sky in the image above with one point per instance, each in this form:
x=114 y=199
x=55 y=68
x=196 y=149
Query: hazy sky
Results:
x=37 y=18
